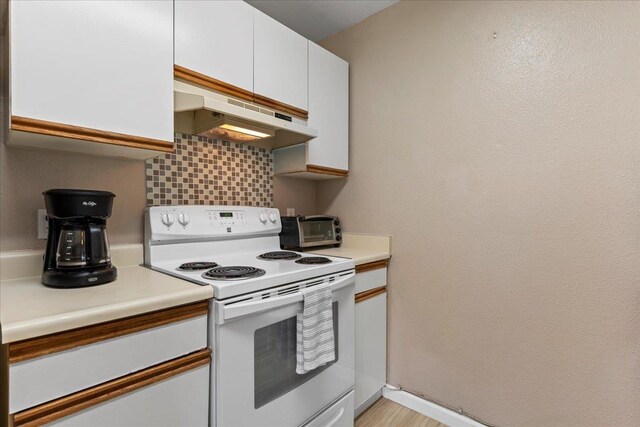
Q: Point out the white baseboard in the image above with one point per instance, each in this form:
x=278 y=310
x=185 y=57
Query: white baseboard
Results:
x=429 y=409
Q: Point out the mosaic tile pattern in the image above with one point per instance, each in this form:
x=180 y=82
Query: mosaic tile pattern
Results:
x=205 y=171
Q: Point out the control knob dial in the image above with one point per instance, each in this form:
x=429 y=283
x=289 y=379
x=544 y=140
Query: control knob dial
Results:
x=184 y=218
x=168 y=219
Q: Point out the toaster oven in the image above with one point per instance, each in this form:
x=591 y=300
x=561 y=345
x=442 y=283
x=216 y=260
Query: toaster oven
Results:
x=304 y=232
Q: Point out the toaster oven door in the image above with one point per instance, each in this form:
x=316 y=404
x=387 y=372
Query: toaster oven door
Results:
x=319 y=231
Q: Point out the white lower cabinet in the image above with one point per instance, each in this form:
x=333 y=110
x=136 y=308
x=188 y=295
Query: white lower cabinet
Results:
x=371 y=349
x=181 y=400
x=45 y=378
x=371 y=333
x=146 y=370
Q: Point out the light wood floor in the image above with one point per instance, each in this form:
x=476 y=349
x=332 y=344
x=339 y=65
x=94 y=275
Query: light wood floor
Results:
x=385 y=413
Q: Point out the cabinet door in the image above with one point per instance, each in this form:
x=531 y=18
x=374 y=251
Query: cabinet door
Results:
x=105 y=65
x=328 y=109
x=280 y=62
x=371 y=348
x=182 y=400
x=215 y=38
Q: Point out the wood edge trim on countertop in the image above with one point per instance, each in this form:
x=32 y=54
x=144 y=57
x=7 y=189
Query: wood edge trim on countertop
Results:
x=363 y=296
x=43 y=127
x=281 y=106
x=383 y=263
x=207 y=82
x=67 y=405
x=32 y=348
x=327 y=171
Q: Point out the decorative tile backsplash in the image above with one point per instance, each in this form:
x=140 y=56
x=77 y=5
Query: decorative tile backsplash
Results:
x=205 y=171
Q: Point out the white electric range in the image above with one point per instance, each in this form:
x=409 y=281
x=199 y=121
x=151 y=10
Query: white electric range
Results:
x=252 y=333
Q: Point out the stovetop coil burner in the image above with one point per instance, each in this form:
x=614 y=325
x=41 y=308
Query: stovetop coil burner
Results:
x=280 y=255
x=195 y=266
x=314 y=260
x=236 y=272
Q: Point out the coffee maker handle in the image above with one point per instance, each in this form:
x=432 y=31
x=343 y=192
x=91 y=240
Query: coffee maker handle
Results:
x=95 y=249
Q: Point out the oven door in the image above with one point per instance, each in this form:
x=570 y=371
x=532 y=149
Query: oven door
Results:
x=255 y=358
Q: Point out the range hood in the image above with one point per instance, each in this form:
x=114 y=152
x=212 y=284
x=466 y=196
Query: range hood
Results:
x=199 y=111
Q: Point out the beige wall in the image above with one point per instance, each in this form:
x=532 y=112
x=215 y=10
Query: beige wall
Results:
x=507 y=170
x=26 y=173
x=296 y=193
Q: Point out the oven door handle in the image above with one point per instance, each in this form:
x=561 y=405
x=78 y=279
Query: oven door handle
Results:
x=233 y=311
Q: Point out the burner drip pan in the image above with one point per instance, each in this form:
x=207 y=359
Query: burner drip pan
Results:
x=196 y=266
x=314 y=260
x=279 y=256
x=237 y=272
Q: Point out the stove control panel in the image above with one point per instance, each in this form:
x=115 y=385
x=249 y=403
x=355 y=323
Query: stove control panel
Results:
x=184 y=222
x=226 y=218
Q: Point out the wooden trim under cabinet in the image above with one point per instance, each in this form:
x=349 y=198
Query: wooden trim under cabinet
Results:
x=65 y=406
x=207 y=82
x=327 y=171
x=363 y=296
x=43 y=127
x=202 y=80
x=384 y=263
x=36 y=347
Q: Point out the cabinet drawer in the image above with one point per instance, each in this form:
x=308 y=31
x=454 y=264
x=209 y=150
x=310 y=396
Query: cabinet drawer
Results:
x=174 y=393
x=45 y=368
x=371 y=279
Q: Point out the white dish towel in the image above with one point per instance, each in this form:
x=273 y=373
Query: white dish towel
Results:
x=314 y=333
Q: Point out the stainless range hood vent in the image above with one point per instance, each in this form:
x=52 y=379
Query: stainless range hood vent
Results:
x=206 y=113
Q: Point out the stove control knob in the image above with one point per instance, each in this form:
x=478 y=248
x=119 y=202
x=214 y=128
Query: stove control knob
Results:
x=273 y=217
x=184 y=219
x=263 y=218
x=168 y=219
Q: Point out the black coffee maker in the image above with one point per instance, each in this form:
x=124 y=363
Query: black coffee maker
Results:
x=77 y=247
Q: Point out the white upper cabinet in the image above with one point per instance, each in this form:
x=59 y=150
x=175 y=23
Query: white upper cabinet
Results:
x=280 y=62
x=328 y=109
x=327 y=155
x=215 y=38
x=103 y=65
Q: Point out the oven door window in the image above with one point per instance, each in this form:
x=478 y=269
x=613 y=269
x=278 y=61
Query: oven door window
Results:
x=275 y=360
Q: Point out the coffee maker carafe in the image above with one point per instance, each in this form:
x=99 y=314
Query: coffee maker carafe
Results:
x=77 y=252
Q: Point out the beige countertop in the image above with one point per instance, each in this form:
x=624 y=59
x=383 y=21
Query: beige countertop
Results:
x=29 y=309
x=362 y=248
